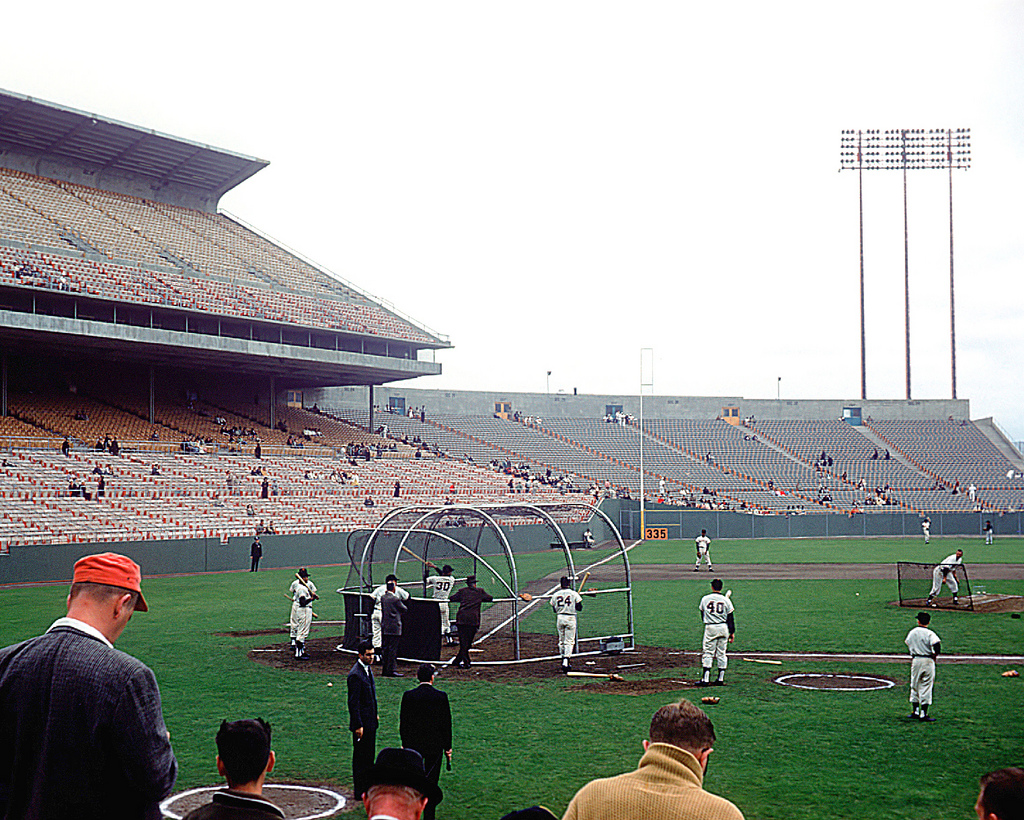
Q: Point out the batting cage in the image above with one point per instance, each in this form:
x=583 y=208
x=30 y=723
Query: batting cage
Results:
x=945 y=587
x=518 y=552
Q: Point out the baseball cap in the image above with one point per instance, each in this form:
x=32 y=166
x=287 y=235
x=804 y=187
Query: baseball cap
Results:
x=113 y=569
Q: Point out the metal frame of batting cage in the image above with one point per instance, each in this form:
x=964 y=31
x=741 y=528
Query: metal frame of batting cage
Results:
x=428 y=517
x=926 y=576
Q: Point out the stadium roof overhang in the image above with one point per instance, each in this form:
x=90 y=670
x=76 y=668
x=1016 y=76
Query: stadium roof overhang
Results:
x=91 y=342
x=106 y=151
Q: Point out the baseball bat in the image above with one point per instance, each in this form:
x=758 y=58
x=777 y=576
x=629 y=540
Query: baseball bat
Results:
x=611 y=676
x=763 y=660
x=413 y=554
x=586 y=575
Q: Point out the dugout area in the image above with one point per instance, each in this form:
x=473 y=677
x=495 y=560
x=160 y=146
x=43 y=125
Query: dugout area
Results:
x=489 y=541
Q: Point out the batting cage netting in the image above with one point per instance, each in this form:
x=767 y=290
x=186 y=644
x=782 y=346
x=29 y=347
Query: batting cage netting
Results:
x=517 y=553
x=945 y=587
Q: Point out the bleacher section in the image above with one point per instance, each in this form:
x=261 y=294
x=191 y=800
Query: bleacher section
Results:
x=190 y=497
x=119 y=248
x=153 y=489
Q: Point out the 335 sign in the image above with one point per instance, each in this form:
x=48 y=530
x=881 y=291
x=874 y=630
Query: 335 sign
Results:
x=655 y=533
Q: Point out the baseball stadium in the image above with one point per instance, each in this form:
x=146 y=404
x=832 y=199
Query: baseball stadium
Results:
x=179 y=388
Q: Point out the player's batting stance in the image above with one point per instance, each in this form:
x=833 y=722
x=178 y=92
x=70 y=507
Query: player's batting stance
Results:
x=566 y=603
x=303 y=593
x=719 y=629
x=442 y=586
x=703 y=550
x=946 y=572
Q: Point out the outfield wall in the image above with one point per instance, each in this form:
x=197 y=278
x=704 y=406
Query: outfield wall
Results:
x=54 y=562
x=687 y=524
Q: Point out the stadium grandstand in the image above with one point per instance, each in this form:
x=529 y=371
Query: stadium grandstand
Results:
x=171 y=373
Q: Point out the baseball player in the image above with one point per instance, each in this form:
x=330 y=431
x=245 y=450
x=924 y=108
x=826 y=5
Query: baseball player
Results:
x=926 y=528
x=924 y=646
x=566 y=603
x=442 y=586
x=703 y=550
x=303 y=593
x=375 y=617
x=946 y=572
x=719 y=628
x=988 y=531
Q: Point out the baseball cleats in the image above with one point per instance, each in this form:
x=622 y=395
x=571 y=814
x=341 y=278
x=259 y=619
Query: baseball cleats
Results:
x=695 y=569
x=718 y=683
x=927 y=719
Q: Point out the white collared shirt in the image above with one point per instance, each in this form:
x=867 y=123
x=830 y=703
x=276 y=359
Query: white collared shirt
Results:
x=81 y=626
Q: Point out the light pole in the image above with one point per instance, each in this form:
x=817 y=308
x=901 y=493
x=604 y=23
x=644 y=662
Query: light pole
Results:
x=906 y=149
x=549 y=382
x=778 y=390
x=646 y=380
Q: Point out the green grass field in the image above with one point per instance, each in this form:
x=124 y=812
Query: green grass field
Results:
x=781 y=752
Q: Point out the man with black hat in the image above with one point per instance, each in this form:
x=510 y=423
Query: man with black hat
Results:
x=469 y=599
x=255 y=553
x=82 y=731
x=425 y=724
x=396 y=786
x=244 y=758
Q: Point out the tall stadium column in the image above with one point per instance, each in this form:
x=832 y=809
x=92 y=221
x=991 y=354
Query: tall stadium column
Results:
x=273 y=401
x=3 y=386
x=371 y=407
x=152 y=394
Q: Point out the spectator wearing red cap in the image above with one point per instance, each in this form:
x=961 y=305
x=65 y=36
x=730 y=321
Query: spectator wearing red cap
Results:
x=82 y=732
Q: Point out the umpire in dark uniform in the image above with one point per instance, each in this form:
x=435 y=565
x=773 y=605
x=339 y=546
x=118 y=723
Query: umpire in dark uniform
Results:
x=362 y=713
x=425 y=724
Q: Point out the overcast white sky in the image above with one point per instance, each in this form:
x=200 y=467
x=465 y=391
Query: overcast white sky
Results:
x=556 y=185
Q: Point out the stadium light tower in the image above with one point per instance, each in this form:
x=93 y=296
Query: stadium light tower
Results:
x=906 y=149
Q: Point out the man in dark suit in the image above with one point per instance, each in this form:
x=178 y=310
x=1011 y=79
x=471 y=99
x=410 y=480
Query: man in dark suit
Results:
x=82 y=732
x=391 y=608
x=425 y=724
x=362 y=713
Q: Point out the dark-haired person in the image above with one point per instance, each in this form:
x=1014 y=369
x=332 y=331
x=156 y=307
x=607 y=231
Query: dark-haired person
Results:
x=716 y=610
x=924 y=646
x=82 y=731
x=362 y=712
x=244 y=758
x=442 y=585
x=566 y=603
x=469 y=599
x=1001 y=796
x=668 y=783
x=425 y=724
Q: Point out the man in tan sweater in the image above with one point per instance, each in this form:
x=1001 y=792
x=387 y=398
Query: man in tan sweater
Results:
x=668 y=781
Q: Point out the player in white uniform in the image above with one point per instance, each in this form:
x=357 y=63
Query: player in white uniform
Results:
x=946 y=571
x=926 y=528
x=303 y=593
x=924 y=646
x=442 y=586
x=566 y=603
x=703 y=550
x=719 y=629
x=375 y=617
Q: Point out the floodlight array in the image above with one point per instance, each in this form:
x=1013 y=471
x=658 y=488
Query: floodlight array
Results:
x=905 y=149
